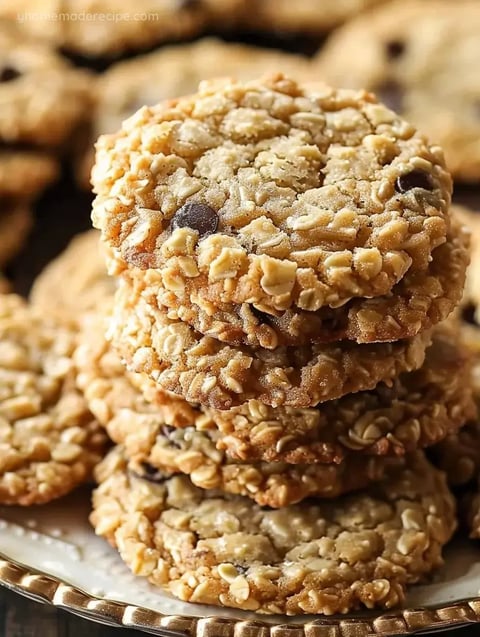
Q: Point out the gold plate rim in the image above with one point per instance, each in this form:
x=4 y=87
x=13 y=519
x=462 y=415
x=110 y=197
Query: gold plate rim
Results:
x=49 y=589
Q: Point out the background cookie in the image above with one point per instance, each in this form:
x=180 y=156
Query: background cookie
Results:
x=25 y=174
x=76 y=281
x=421 y=58
x=303 y=16
x=42 y=97
x=112 y=28
x=49 y=441
x=15 y=223
x=320 y=557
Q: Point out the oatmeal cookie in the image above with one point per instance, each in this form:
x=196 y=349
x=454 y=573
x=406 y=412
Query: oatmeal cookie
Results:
x=420 y=58
x=417 y=410
x=175 y=437
x=49 y=441
x=204 y=370
x=273 y=484
x=25 y=174
x=314 y=557
x=111 y=391
x=76 y=281
x=421 y=299
x=459 y=454
x=15 y=223
x=272 y=197
x=42 y=97
x=173 y=71
x=112 y=27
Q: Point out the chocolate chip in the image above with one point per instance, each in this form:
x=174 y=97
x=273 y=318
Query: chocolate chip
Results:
x=391 y=93
x=197 y=216
x=8 y=73
x=167 y=431
x=150 y=473
x=414 y=179
x=262 y=317
x=395 y=49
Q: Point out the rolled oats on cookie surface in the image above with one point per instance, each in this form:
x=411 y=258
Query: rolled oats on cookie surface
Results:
x=265 y=204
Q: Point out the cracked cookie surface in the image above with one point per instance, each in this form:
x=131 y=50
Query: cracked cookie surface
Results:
x=314 y=557
x=49 y=440
x=268 y=196
x=429 y=80
x=173 y=71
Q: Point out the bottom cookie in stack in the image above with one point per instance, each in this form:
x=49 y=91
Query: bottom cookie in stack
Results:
x=315 y=557
x=224 y=543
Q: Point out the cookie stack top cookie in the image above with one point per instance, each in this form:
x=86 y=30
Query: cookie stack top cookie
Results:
x=256 y=222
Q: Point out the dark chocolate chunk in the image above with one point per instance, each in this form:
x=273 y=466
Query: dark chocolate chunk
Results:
x=147 y=472
x=167 y=431
x=414 y=179
x=8 y=73
x=391 y=93
x=197 y=216
x=395 y=49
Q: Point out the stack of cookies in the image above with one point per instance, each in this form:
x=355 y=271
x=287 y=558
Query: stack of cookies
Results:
x=277 y=354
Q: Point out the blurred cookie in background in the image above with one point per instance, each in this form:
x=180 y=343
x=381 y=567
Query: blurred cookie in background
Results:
x=421 y=59
x=25 y=174
x=102 y=28
x=76 y=281
x=44 y=100
x=15 y=223
x=42 y=96
x=304 y=16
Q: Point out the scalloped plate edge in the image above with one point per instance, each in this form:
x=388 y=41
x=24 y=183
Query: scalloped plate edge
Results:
x=48 y=589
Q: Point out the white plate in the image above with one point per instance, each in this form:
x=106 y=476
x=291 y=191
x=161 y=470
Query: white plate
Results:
x=52 y=554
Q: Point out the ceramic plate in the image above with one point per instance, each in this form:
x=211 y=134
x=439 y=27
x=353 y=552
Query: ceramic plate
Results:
x=50 y=553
